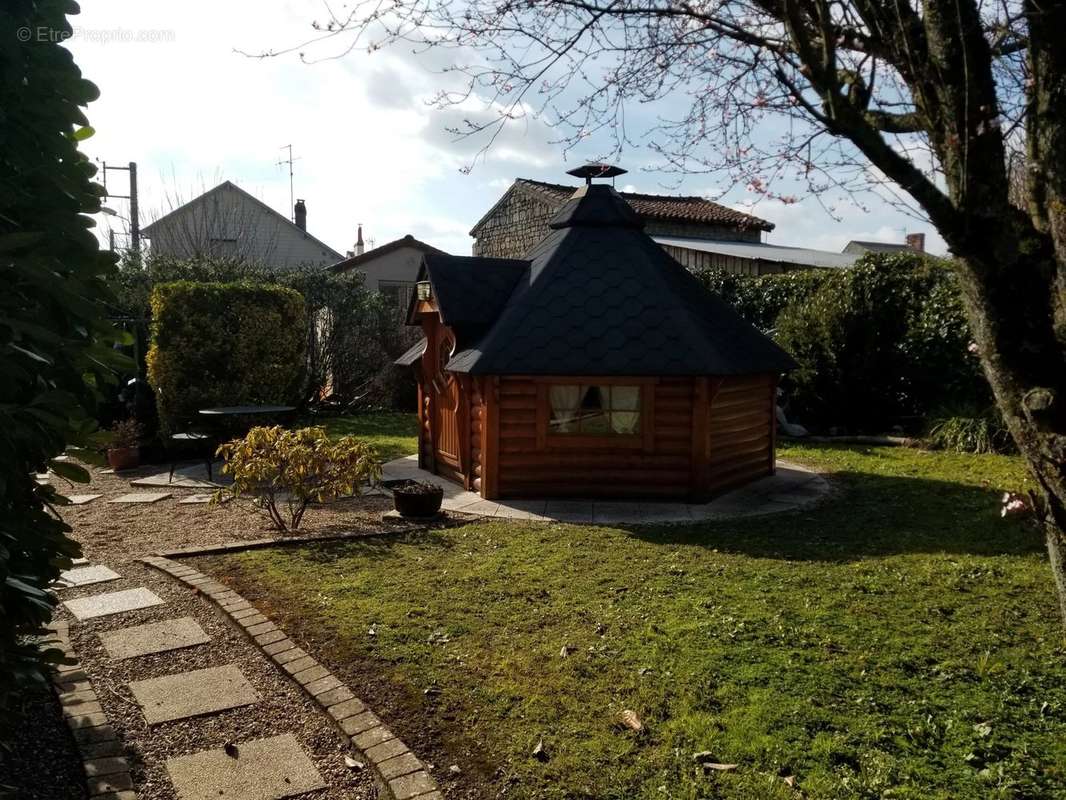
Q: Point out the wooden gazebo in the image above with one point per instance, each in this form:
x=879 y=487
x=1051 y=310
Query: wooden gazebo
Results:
x=595 y=367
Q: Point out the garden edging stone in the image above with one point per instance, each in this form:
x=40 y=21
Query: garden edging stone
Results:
x=107 y=773
x=401 y=771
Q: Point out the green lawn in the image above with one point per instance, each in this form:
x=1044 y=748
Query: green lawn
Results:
x=394 y=435
x=899 y=642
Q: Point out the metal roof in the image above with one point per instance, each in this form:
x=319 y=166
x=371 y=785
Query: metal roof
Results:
x=760 y=251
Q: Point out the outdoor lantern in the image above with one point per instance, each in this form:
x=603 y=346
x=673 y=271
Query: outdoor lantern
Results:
x=424 y=290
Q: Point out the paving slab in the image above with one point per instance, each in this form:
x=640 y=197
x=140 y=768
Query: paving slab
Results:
x=188 y=476
x=102 y=605
x=156 y=637
x=80 y=562
x=86 y=576
x=82 y=499
x=140 y=497
x=197 y=499
x=616 y=513
x=192 y=694
x=266 y=769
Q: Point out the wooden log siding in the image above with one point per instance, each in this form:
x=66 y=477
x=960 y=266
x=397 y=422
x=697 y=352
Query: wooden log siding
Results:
x=741 y=429
x=656 y=466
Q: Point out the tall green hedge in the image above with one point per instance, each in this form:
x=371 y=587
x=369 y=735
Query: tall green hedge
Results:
x=881 y=343
x=219 y=344
x=56 y=349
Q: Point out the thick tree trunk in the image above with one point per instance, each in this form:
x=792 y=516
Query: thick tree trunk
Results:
x=1010 y=278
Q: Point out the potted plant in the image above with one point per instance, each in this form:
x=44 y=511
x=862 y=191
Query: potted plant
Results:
x=124 y=452
x=416 y=498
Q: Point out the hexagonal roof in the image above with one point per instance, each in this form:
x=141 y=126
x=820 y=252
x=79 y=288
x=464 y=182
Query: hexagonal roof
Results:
x=598 y=296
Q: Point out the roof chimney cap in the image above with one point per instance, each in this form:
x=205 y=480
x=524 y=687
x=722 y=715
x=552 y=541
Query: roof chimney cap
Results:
x=590 y=171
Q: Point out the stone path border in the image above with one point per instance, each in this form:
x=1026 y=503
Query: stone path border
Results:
x=405 y=776
x=283 y=541
x=107 y=773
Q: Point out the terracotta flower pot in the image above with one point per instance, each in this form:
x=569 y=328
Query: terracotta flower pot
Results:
x=123 y=457
x=414 y=499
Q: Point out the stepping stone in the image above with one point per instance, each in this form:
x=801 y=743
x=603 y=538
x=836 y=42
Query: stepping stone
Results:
x=140 y=497
x=82 y=499
x=86 y=576
x=102 y=605
x=80 y=562
x=267 y=769
x=200 y=498
x=156 y=637
x=192 y=694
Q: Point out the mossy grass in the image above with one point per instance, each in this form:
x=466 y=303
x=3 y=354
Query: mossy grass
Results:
x=901 y=640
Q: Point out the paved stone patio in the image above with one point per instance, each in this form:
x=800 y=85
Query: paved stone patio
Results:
x=267 y=769
x=102 y=605
x=156 y=637
x=186 y=476
x=140 y=497
x=82 y=499
x=791 y=488
x=86 y=576
x=192 y=694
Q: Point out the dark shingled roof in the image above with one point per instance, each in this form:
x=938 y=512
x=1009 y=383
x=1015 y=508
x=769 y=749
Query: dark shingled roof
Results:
x=471 y=291
x=665 y=208
x=597 y=297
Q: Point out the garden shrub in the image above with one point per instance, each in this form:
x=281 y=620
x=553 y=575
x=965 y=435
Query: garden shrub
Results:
x=761 y=299
x=219 y=344
x=879 y=343
x=294 y=468
x=56 y=347
x=963 y=429
x=353 y=333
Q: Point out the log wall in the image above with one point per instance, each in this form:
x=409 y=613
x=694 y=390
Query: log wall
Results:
x=741 y=430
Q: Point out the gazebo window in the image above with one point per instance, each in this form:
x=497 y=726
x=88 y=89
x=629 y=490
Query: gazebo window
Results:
x=595 y=410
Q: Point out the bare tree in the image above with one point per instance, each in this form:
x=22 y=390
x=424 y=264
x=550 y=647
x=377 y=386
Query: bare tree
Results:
x=916 y=98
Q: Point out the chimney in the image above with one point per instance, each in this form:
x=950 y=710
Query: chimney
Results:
x=299 y=215
x=359 y=247
x=916 y=241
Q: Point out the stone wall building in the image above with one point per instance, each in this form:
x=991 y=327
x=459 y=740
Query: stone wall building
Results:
x=520 y=218
x=698 y=233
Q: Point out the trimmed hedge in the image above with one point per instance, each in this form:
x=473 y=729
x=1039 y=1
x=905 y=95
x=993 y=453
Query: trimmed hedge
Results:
x=224 y=344
x=878 y=344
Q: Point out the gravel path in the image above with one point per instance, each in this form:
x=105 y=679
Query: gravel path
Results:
x=113 y=534
x=42 y=763
x=282 y=708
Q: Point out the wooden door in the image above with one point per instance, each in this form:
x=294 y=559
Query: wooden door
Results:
x=446 y=398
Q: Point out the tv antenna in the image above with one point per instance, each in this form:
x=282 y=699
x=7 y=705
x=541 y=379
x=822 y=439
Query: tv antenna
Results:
x=292 y=194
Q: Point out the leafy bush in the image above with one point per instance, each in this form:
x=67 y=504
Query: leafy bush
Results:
x=969 y=430
x=224 y=344
x=56 y=349
x=353 y=333
x=126 y=433
x=761 y=299
x=883 y=341
x=295 y=468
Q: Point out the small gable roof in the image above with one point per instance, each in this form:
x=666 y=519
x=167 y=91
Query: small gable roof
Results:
x=597 y=296
x=396 y=244
x=666 y=208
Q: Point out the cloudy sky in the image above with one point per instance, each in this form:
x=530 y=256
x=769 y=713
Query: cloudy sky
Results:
x=179 y=98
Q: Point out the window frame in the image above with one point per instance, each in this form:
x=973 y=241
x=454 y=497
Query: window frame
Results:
x=643 y=440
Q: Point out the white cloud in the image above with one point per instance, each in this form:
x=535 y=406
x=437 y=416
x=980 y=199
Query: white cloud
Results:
x=371 y=149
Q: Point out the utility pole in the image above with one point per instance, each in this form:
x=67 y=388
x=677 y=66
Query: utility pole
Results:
x=135 y=224
x=292 y=194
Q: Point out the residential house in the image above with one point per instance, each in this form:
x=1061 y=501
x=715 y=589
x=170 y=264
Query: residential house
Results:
x=391 y=269
x=228 y=222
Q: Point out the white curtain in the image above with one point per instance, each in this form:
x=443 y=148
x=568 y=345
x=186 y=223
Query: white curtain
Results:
x=625 y=409
x=564 y=400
